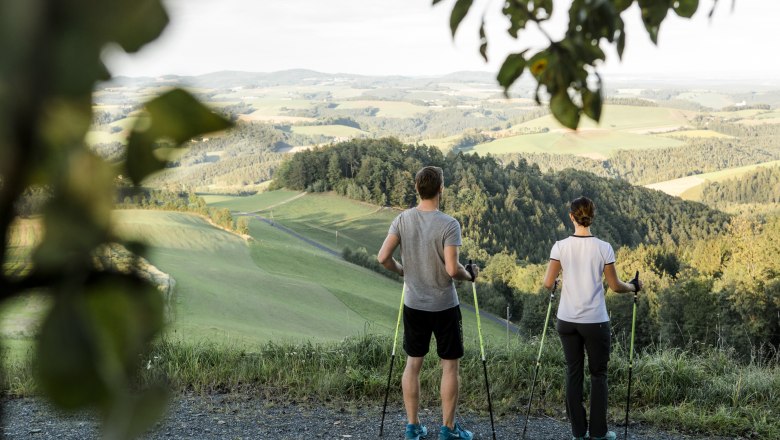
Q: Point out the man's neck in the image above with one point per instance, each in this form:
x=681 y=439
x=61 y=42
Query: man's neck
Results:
x=429 y=204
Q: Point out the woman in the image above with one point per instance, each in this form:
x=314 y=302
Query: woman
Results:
x=583 y=323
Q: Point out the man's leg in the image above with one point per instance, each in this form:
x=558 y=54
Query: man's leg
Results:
x=450 y=385
x=410 y=382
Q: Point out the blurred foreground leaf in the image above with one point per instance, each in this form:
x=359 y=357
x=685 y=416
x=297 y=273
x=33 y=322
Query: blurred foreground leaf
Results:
x=170 y=121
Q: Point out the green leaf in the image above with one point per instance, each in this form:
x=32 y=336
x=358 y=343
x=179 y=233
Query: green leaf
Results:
x=564 y=109
x=622 y=5
x=483 y=41
x=686 y=8
x=511 y=70
x=621 y=44
x=174 y=117
x=459 y=12
x=179 y=116
x=435 y=1
x=65 y=358
x=133 y=23
x=653 y=14
x=592 y=104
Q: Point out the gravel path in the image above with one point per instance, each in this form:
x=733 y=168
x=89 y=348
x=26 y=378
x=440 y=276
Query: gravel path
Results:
x=242 y=416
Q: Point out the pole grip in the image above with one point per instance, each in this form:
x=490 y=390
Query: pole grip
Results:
x=470 y=270
x=635 y=283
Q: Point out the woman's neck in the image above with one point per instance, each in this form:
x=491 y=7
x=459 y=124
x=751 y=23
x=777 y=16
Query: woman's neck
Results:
x=582 y=230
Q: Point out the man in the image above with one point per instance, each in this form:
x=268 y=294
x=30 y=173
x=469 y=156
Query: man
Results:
x=429 y=242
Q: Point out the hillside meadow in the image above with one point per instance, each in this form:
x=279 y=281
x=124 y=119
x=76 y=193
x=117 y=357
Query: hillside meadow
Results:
x=690 y=187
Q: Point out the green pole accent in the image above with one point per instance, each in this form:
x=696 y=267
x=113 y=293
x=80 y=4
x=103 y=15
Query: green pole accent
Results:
x=479 y=322
x=398 y=320
x=633 y=331
x=544 y=331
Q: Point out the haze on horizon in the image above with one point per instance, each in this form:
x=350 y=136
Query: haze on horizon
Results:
x=410 y=37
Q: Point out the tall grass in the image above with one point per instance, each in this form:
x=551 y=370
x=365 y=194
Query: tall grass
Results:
x=709 y=392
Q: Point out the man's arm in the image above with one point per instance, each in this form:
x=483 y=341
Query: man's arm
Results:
x=454 y=268
x=385 y=256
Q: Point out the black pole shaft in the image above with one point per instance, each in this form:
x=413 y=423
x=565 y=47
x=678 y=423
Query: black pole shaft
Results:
x=387 y=393
x=628 y=400
x=490 y=404
x=530 y=399
x=635 y=282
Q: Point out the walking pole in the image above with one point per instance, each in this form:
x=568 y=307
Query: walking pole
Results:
x=482 y=349
x=392 y=361
x=635 y=282
x=539 y=357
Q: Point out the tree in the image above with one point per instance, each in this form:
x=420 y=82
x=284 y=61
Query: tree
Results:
x=567 y=67
x=98 y=330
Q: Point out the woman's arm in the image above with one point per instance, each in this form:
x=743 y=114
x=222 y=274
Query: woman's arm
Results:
x=614 y=282
x=553 y=269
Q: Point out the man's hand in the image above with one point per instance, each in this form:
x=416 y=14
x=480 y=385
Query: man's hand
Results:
x=473 y=270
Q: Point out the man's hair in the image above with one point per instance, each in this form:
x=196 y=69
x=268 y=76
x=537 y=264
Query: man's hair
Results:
x=428 y=182
x=583 y=210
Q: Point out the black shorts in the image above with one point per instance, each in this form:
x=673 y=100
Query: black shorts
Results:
x=446 y=325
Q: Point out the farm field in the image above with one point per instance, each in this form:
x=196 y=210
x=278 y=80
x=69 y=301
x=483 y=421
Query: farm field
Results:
x=696 y=134
x=707 y=99
x=320 y=215
x=275 y=287
x=328 y=130
x=585 y=142
x=636 y=119
x=690 y=187
x=389 y=109
x=251 y=203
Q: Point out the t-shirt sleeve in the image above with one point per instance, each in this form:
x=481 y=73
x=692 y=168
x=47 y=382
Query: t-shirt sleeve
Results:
x=555 y=252
x=394 y=227
x=609 y=255
x=452 y=234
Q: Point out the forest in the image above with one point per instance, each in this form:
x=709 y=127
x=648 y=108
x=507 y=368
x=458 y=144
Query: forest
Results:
x=514 y=208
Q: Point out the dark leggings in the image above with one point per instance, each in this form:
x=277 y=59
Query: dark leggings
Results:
x=595 y=339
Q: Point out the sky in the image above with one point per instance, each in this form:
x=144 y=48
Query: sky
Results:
x=412 y=37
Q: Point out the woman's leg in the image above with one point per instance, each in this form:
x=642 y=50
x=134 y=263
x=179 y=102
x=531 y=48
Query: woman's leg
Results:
x=573 y=350
x=597 y=343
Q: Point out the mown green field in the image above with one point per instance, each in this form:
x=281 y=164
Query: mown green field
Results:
x=624 y=118
x=593 y=143
x=321 y=216
x=695 y=192
x=251 y=203
x=622 y=127
x=273 y=288
x=696 y=134
x=691 y=187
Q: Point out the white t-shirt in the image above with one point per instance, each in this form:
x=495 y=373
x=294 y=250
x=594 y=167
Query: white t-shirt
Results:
x=582 y=261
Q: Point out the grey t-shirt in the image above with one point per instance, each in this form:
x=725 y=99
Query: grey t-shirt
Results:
x=423 y=235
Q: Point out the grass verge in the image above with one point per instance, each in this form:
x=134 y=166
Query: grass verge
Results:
x=707 y=393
